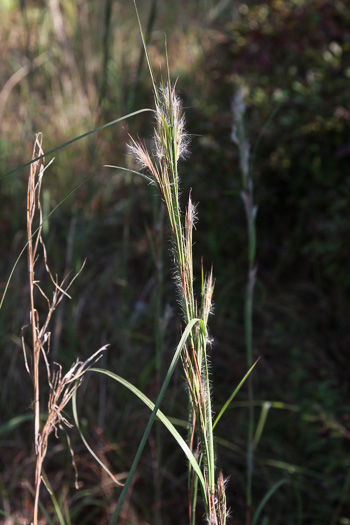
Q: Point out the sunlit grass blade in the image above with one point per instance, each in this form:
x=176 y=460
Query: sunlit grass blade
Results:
x=162 y=417
x=168 y=376
x=76 y=139
x=232 y=396
x=148 y=179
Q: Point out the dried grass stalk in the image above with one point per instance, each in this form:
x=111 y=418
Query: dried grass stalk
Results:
x=61 y=387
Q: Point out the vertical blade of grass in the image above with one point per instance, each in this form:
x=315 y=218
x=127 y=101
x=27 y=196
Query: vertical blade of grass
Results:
x=170 y=144
x=146 y=53
x=261 y=423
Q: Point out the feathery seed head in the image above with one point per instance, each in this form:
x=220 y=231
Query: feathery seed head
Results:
x=208 y=296
x=222 y=510
x=170 y=123
x=141 y=155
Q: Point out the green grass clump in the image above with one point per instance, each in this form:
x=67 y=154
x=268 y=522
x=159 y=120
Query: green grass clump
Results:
x=170 y=144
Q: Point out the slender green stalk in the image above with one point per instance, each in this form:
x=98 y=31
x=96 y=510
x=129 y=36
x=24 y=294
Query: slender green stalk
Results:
x=159 y=330
x=170 y=145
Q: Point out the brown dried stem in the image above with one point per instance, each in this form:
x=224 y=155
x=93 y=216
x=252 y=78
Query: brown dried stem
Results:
x=61 y=387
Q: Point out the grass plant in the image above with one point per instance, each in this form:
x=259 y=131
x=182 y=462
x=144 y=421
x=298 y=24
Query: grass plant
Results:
x=170 y=143
x=68 y=81
x=61 y=387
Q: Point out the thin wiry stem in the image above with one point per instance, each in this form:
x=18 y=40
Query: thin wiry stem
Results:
x=62 y=387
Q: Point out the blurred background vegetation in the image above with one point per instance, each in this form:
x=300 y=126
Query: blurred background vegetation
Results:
x=70 y=66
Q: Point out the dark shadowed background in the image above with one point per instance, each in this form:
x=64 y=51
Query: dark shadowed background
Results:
x=70 y=66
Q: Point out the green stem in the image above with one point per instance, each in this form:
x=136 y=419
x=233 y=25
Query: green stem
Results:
x=249 y=342
x=211 y=456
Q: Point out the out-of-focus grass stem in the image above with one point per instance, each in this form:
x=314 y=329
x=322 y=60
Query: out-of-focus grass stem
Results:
x=247 y=194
